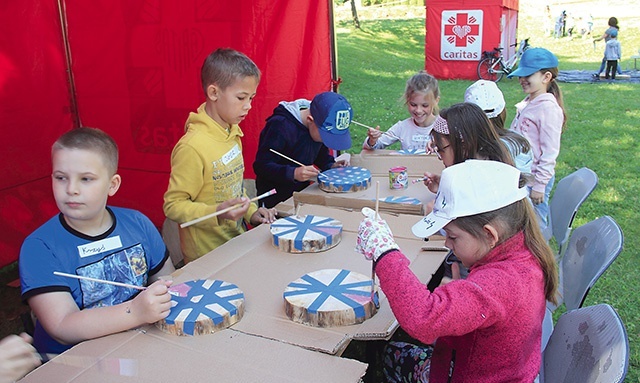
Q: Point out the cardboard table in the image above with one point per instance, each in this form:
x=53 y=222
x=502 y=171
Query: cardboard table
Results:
x=265 y=345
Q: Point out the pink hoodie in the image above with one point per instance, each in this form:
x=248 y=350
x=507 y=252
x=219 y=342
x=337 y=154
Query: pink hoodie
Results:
x=487 y=328
x=540 y=121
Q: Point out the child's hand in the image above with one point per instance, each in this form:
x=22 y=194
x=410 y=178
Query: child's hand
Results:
x=17 y=357
x=263 y=215
x=152 y=304
x=305 y=173
x=340 y=164
x=236 y=213
x=431 y=147
x=536 y=197
x=373 y=135
x=432 y=181
x=374 y=236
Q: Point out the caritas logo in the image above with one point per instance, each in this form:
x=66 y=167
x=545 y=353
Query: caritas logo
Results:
x=461 y=38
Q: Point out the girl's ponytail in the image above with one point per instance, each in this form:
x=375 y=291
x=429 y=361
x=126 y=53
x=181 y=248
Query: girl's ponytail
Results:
x=554 y=89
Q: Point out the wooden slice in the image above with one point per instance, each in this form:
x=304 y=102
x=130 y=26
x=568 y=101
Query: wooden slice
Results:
x=401 y=200
x=330 y=297
x=344 y=180
x=306 y=234
x=203 y=306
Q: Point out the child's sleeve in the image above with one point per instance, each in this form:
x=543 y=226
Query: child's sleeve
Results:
x=324 y=160
x=185 y=184
x=37 y=264
x=268 y=164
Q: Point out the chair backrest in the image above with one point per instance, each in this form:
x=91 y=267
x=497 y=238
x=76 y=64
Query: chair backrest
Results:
x=592 y=248
x=570 y=193
x=589 y=344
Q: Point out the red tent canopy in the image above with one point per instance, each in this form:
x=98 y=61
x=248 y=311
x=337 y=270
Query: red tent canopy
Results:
x=132 y=68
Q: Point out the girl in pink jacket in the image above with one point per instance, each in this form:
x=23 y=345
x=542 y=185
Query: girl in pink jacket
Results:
x=540 y=118
x=487 y=327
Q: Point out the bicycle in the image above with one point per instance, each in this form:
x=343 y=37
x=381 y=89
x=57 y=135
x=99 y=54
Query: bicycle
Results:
x=493 y=65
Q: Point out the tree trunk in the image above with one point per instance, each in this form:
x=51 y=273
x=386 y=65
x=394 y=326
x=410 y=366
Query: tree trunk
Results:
x=354 y=12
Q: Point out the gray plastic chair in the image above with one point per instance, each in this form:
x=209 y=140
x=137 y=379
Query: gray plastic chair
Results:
x=589 y=344
x=592 y=248
x=570 y=193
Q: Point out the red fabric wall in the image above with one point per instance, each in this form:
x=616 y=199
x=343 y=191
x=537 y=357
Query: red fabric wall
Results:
x=491 y=35
x=136 y=69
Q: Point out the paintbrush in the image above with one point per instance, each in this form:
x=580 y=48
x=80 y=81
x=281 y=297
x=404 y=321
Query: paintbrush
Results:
x=99 y=280
x=183 y=225
x=384 y=133
x=373 y=263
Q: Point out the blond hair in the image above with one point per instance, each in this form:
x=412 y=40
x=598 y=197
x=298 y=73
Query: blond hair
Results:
x=90 y=139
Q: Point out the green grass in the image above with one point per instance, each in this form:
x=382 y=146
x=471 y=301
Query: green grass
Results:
x=602 y=131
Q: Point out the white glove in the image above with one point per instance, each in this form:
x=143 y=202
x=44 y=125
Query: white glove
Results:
x=374 y=236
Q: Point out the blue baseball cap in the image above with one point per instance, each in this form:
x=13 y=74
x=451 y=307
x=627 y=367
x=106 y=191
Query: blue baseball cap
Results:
x=332 y=114
x=533 y=60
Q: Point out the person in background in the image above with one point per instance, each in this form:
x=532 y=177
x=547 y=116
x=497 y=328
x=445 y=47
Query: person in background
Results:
x=421 y=96
x=207 y=166
x=612 y=53
x=17 y=357
x=606 y=36
x=540 y=118
x=304 y=131
x=90 y=239
x=487 y=327
x=489 y=97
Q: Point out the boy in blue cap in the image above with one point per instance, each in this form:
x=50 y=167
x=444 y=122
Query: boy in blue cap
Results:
x=302 y=130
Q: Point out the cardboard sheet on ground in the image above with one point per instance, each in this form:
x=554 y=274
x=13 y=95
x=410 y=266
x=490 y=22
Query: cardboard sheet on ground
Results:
x=226 y=356
x=262 y=271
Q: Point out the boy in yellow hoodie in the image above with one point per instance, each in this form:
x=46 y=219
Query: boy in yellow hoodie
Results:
x=207 y=165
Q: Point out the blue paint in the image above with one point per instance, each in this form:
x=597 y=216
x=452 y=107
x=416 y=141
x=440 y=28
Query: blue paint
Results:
x=209 y=296
x=334 y=289
x=302 y=227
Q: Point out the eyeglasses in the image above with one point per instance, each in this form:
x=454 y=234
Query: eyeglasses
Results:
x=439 y=151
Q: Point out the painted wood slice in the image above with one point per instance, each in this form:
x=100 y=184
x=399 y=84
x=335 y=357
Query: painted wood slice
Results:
x=306 y=233
x=330 y=297
x=344 y=180
x=203 y=306
x=401 y=199
x=412 y=151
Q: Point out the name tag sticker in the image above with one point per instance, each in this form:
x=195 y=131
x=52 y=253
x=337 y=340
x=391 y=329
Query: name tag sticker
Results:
x=231 y=154
x=100 y=246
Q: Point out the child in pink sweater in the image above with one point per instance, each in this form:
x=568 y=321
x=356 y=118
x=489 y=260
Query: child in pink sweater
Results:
x=540 y=118
x=487 y=327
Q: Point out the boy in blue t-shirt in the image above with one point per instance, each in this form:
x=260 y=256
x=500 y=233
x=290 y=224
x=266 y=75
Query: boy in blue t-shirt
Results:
x=90 y=239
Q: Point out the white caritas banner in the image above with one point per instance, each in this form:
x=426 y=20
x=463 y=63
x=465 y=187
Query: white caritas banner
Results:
x=461 y=38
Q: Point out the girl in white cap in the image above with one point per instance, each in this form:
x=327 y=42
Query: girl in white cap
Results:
x=540 y=118
x=487 y=327
x=489 y=97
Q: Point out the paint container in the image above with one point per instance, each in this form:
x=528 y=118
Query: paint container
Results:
x=398 y=178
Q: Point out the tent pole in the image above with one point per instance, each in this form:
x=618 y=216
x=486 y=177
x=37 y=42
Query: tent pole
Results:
x=335 y=80
x=62 y=11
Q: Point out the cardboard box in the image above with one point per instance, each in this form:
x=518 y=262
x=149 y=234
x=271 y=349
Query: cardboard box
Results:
x=151 y=356
x=417 y=195
x=379 y=161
